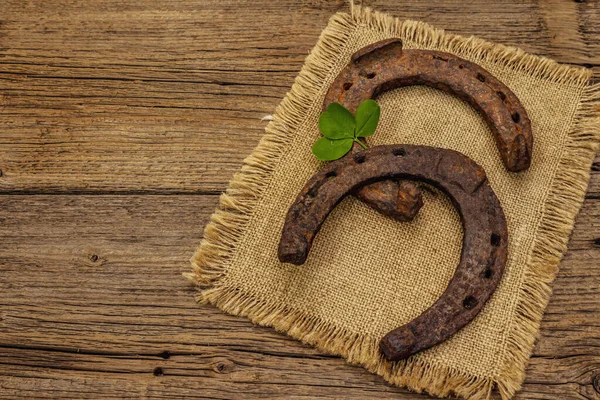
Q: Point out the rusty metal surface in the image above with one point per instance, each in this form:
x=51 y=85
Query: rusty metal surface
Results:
x=384 y=66
x=397 y=199
x=484 y=249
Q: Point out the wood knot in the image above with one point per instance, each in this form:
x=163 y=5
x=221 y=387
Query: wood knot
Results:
x=223 y=366
x=596 y=383
x=93 y=257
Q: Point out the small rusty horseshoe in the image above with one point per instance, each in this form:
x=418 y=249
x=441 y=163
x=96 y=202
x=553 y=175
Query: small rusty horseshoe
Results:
x=485 y=235
x=384 y=66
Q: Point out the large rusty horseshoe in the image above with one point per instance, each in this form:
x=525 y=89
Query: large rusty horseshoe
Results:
x=484 y=248
x=384 y=66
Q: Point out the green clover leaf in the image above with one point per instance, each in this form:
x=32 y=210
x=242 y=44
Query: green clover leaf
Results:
x=367 y=118
x=326 y=149
x=341 y=129
x=337 y=122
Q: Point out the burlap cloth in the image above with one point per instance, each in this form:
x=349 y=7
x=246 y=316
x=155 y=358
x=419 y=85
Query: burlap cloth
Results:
x=367 y=274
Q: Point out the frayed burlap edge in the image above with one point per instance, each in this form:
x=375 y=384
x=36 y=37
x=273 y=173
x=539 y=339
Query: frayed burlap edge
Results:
x=566 y=195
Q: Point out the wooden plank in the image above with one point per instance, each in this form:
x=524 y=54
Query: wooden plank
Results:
x=162 y=97
x=91 y=299
x=166 y=97
x=224 y=374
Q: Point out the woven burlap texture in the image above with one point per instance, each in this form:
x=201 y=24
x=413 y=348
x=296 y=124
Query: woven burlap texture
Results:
x=367 y=274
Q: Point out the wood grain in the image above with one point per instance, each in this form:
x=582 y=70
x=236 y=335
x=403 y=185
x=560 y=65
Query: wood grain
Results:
x=168 y=97
x=122 y=121
x=93 y=282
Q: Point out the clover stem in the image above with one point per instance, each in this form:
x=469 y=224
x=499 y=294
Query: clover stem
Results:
x=364 y=146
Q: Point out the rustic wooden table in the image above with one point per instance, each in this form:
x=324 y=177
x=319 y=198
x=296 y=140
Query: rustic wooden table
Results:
x=122 y=122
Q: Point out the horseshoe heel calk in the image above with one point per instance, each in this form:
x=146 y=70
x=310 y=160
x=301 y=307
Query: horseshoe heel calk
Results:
x=398 y=346
x=485 y=239
x=293 y=250
x=400 y=200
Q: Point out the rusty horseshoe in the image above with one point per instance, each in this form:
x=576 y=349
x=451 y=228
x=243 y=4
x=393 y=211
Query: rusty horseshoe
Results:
x=384 y=66
x=485 y=234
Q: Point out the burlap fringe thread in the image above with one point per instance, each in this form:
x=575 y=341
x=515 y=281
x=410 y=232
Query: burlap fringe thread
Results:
x=229 y=221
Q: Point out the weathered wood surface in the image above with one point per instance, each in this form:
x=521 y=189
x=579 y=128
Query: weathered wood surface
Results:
x=121 y=122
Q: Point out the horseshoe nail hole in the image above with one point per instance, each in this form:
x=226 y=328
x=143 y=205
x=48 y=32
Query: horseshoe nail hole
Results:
x=440 y=58
x=469 y=302
x=313 y=191
x=347 y=85
x=516 y=117
x=331 y=174
x=495 y=240
x=481 y=77
x=460 y=66
x=158 y=371
x=501 y=95
x=359 y=158
x=399 y=152
x=296 y=213
x=371 y=75
x=489 y=272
